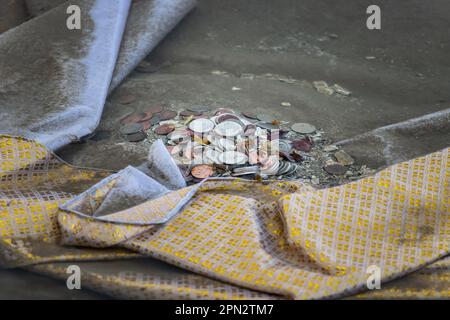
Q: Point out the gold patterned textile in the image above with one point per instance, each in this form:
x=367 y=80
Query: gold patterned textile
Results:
x=33 y=183
x=272 y=238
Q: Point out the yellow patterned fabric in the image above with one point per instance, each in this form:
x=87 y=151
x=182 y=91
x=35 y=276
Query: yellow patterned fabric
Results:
x=33 y=183
x=255 y=239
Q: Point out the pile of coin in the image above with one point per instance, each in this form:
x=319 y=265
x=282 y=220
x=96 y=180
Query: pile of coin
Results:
x=221 y=143
x=225 y=143
x=134 y=126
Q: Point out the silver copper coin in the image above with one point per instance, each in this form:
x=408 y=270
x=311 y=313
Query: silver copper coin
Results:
x=146 y=116
x=250 y=115
x=228 y=129
x=134 y=118
x=167 y=115
x=267 y=126
x=136 y=137
x=303 y=128
x=304 y=145
x=164 y=129
x=226 y=116
x=131 y=128
x=285 y=146
x=201 y=125
x=188 y=113
x=233 y=157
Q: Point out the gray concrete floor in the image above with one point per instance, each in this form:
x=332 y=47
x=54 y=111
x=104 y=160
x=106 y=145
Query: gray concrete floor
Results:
x=409 y=76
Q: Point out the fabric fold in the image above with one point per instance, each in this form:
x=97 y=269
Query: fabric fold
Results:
x=307 y=244
x=56 y=80
x=248 y=234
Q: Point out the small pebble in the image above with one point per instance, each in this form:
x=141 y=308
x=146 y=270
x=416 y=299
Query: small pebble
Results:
x=344 y=158
x=335 y=169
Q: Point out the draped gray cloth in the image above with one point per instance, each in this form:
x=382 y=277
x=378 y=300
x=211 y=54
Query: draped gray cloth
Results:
x=55 y=81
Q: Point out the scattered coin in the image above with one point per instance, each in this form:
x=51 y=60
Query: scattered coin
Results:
x=344 y=158
x=213 y=155
x=304 y=145
x=284 y=146
x=245 y=171
x=250 y=115
x=164 y=129
x=286 y=168
x=155 y=120
x=225 y=117
x=233 y=157
x=131 y=128
x=287 y=156
x=202 y=171
x=147 y=124
x=136 y=137
x=188 y=113
x=270 y=166
x=303 y=128
x=222 y=111
x=335 y=168
x=244 y=146
x=253 y=156
x=201 y=125
x=133 y=118
x=250 y=130
x=146 y=116
x=155 y=109
x=178 y=135
x=226 y=144
x=228 y=129
x=127 y=99
x=167 y=115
